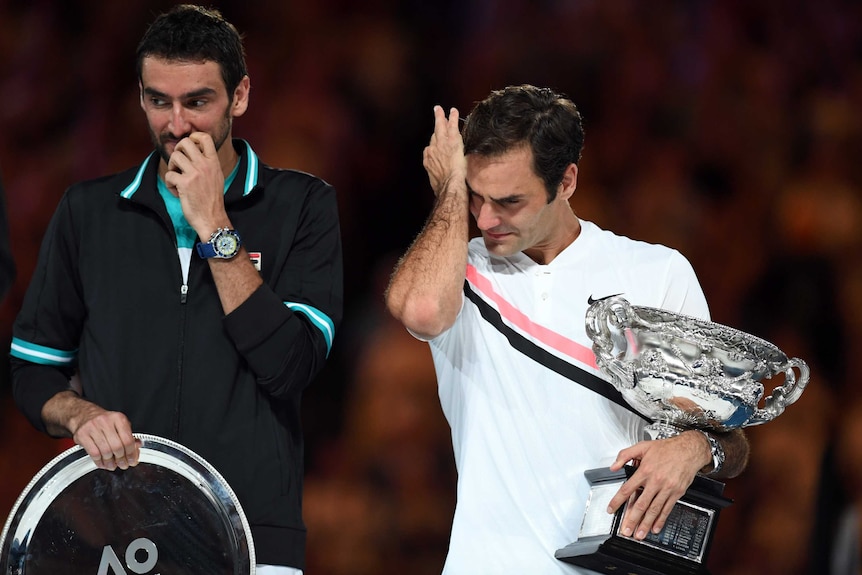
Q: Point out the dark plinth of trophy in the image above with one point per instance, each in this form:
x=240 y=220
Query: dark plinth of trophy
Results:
x=681 y=548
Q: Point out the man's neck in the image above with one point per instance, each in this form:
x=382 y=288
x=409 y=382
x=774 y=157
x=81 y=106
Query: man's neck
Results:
x=569 y=230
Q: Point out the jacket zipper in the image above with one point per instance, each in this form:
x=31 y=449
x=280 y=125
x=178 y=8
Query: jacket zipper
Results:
x=184 y=290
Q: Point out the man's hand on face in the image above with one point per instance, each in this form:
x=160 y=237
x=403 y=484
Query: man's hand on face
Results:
x=443 y=158
x=195 y=175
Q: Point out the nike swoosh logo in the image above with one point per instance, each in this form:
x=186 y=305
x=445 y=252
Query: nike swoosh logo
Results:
x=591 y=301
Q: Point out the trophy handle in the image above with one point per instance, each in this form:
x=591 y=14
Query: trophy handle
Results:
x=784 y=394
x=616 y=310
x=597 y=329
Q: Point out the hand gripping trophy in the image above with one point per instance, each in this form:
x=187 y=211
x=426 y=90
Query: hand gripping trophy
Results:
x=680 y=373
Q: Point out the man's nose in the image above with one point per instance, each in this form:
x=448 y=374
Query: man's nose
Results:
x=179 y=125
x=486 y=217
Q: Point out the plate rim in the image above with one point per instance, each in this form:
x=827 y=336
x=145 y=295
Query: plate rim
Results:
x=152 y=450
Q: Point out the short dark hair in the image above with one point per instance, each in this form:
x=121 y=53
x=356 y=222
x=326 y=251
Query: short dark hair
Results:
x=197 y=34
x=548 y=122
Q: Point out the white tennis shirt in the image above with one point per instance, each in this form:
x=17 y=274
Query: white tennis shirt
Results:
x=523 y=434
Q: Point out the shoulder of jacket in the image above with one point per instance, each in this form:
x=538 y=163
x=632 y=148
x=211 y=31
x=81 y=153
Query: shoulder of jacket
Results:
x=293 y=182
x=109 y=183
x=270 y=174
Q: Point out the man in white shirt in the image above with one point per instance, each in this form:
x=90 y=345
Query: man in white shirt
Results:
x=504 y=316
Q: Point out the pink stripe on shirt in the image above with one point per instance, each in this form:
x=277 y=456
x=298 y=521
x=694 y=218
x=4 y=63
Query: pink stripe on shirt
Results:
x=517 y=318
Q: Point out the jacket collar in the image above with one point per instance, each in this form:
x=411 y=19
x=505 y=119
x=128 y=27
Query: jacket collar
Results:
x=143 y=185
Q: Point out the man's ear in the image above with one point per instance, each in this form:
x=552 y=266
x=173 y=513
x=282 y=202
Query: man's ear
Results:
x=569 y=183
x=240 y=97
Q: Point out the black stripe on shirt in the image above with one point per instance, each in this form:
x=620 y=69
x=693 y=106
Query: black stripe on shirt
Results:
x=544 y=357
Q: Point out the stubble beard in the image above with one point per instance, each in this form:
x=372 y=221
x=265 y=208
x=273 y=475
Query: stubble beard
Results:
x=501 y=248
x=161 y=141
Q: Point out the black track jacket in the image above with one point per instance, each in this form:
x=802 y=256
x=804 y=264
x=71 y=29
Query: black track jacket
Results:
x=108 y=300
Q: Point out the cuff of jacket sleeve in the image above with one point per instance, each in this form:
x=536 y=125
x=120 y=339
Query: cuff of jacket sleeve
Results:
x=32 y=386
x=256 y=319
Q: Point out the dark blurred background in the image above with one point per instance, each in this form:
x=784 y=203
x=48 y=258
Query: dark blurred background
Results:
x=728 y=129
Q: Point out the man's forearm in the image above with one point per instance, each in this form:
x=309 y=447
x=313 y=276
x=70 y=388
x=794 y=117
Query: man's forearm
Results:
x=736 y=452
x=427 y=281
x=236 y=279
x=58 y=412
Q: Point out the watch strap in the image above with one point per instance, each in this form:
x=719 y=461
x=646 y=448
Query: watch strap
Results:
x=205 y=250
x=717 y=452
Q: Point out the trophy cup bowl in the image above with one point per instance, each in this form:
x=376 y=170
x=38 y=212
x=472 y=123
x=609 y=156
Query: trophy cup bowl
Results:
x=682 y=373
x=679 y=373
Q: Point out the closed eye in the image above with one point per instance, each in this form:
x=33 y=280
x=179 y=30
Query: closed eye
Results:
x=506 y=201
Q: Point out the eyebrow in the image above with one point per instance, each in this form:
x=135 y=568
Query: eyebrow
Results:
x=510 y=197
x=187 y=96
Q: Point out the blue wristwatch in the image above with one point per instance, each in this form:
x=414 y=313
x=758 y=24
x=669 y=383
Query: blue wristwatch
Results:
x=224 y=243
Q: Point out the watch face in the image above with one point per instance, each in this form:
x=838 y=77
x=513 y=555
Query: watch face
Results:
x=227 y=244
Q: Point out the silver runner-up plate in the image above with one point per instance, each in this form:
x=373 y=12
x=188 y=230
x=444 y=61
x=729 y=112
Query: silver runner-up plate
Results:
x=171 y=514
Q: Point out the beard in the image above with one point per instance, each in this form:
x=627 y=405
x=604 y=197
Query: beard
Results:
x=161 y=141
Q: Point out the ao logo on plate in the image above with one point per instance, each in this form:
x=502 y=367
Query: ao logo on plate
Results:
x=111 y=563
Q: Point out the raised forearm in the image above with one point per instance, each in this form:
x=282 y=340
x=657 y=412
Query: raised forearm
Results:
x=235 y=279
x=424 y=292
x=425 y=289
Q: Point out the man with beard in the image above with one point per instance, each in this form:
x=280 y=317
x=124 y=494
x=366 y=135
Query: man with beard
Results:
x=504 y=317
x=195 y=296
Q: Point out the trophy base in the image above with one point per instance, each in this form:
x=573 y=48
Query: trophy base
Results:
x=679 y=549
x=615 y=556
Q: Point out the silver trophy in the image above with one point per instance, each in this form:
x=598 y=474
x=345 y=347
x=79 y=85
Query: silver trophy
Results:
x=680 y=373
x=685 y=373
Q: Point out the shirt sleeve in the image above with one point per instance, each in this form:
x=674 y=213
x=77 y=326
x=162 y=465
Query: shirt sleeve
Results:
x=683 y=293
x=286 y=328
x=46 y=332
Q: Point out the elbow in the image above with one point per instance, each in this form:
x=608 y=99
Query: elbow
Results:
x=424 y=317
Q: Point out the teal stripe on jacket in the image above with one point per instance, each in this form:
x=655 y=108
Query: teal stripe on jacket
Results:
x=320 y=320
x=41 y=354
